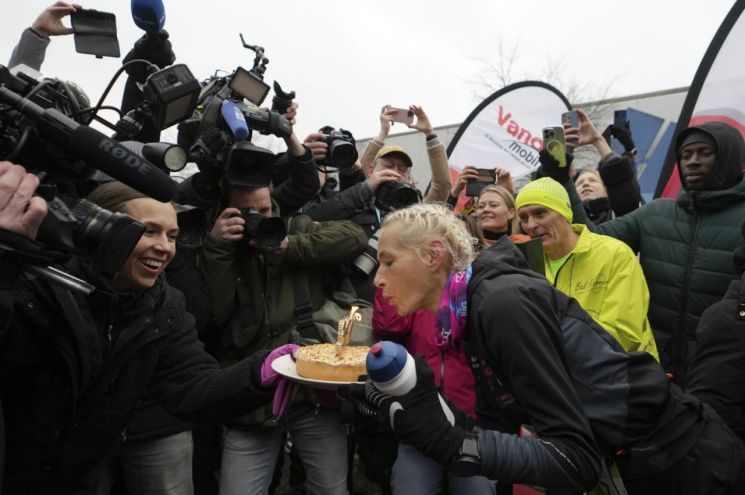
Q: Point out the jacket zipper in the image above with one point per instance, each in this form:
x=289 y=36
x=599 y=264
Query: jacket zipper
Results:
x=556 y=278
x=679 y=338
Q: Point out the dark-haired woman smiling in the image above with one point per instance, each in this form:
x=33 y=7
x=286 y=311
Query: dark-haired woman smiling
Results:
x=72 y=367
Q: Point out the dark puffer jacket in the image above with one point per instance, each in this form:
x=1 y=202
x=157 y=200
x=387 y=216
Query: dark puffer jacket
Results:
x=73 y=367
x=686 y=247
x=717 y=371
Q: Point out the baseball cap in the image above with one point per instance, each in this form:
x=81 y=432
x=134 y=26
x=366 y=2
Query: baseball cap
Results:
x=394 y=149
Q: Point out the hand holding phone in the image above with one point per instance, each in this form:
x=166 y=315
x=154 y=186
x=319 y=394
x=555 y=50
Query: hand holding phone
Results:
x=620 y=118
x=553 y=142
x=402 y=115
x=484 y=177
x=570 y=120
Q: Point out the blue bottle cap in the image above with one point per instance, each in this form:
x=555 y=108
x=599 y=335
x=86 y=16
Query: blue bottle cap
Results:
x=385 y=361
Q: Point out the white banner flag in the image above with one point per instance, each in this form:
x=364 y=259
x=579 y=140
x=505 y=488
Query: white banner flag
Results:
x=505 y=130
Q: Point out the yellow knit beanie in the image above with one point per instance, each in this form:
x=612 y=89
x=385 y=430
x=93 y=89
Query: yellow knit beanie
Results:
x=546 y=192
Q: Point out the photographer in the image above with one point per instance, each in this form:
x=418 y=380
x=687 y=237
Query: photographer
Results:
x=72 y=366
x=252 y=283
x=297 y=185
x=440 y=185
x=355 y=202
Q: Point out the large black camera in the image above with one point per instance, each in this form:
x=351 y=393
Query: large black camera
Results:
x=394 y=195
x=103 y=237
x=342 y=151
x=43 y=127
x=268 y=232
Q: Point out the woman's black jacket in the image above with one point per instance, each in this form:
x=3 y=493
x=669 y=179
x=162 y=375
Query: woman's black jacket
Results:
x=72 y=368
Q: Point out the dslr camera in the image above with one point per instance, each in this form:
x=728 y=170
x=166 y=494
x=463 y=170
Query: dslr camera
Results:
x=342 y=149
x=395 y=195
x=268 y=232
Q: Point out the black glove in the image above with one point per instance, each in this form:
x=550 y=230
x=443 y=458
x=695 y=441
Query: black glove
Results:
x=418 y=419
x=356 y=395
x=156 y=49
x=622 y=134
x=550 y=166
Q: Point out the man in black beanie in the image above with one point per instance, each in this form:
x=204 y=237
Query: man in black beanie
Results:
x=685 y=243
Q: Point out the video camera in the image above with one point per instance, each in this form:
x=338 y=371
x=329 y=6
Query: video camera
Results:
x=227 y=111
x=43 y=127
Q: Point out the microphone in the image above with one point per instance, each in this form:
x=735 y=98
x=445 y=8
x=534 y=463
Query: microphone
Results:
x=149 y=15
x=95 y=148
x=120 y=163
x=233 y=116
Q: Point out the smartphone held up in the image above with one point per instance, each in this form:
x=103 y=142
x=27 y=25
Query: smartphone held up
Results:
x=402 y=115
x=553 y=142
x=570 y=120
x=486 y=176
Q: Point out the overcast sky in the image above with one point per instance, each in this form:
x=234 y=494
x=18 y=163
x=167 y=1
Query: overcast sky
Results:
x=347 y=58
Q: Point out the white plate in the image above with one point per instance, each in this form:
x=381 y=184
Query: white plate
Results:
x=286 y=367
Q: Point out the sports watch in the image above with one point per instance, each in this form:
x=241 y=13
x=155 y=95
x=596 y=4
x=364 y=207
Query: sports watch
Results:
x=467 y=461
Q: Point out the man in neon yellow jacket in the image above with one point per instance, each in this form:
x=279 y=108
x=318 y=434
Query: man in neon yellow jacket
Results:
x=600 y=272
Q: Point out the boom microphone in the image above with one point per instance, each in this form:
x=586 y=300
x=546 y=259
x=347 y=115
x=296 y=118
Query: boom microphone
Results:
x=120 y=163
x=149 y=15
x=95 y=148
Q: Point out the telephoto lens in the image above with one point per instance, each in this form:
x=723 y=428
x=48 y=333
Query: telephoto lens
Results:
x=268 y=232
x=396 y=195
x=367 y=261
x=342 y=152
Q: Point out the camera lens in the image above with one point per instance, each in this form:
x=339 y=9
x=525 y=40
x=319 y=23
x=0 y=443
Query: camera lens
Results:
x=107 y=237
x=268 y=232
x=342 y=154
x=395 y=195
x=367 y=262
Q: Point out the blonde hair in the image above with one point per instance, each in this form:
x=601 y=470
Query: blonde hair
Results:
x=427 y=222
x=509 y=200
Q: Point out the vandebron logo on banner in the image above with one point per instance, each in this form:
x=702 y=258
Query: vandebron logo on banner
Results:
x=505 y=130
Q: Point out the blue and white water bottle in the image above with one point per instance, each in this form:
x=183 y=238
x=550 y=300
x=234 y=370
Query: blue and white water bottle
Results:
x=393 y=372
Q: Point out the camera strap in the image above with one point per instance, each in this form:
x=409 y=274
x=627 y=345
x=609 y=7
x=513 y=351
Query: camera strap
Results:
x=303 y=308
